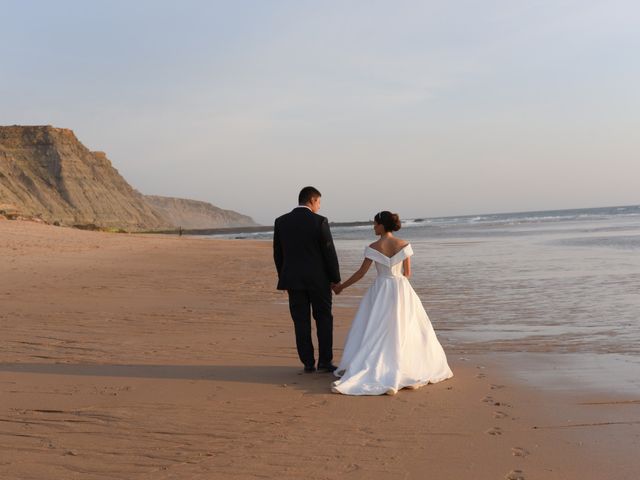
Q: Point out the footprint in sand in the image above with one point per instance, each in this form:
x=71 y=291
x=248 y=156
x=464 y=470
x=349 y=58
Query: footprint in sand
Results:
x=519 y=452
x=480 y=375
x=490 y=400
x=496 y=387
x=494 y=431
x=352 y=467
x=498 y=414
x=515 y=475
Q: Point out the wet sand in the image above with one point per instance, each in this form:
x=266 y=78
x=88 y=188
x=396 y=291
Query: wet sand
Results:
x=150 y=357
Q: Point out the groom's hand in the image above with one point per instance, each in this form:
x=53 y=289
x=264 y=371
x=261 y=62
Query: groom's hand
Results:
x=336 y=287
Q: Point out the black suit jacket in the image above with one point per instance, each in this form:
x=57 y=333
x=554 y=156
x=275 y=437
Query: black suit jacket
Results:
x=303 y=251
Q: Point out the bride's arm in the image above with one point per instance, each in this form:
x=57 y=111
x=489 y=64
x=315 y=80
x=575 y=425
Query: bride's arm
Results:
x=406 y=267
x=355 y=277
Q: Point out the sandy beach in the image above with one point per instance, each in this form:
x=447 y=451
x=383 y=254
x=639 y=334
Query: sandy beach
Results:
x=130 y=356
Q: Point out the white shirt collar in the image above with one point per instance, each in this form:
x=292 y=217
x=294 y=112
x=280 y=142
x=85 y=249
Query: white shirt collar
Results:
x=304 y=206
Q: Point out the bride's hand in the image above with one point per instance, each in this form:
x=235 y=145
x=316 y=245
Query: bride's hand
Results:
x=337 y=289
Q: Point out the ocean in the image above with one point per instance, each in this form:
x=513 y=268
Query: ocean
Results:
x=558 y=291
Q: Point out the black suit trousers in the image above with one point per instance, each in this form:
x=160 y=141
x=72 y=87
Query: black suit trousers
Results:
x=301 y=304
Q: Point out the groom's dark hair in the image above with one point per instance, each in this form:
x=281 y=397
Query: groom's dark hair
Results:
x=306 y=194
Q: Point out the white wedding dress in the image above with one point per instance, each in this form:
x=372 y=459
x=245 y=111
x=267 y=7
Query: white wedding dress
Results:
x=391 y=343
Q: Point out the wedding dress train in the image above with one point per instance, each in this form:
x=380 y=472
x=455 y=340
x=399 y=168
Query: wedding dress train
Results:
x=391 y=343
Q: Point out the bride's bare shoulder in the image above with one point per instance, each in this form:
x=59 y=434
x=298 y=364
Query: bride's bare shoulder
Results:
x=400 y=242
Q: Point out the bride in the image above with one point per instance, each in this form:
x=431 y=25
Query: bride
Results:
x=391 y=344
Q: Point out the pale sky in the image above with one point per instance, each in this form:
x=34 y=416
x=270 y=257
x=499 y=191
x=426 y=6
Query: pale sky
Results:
x=426 y=108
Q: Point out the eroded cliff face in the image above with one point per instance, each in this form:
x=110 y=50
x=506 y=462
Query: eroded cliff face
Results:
x=195 y=214
x=46 y=172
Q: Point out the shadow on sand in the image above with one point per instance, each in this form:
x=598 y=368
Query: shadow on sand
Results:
x=264 y=374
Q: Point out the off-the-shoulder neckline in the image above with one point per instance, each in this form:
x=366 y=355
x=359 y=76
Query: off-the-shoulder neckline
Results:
x=375 y=250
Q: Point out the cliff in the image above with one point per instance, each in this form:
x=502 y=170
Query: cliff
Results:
x=45 y=172
x=195 y=214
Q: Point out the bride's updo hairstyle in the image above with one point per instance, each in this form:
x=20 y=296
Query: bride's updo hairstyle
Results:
x=390 y=221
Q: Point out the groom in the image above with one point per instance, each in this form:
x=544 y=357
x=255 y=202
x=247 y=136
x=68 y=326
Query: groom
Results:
x=308 y=268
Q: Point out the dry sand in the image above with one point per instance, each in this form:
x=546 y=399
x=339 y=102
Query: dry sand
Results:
x=147 y=357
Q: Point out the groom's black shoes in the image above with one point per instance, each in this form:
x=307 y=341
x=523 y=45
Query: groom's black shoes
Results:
x=309 y=369
x=329 y=368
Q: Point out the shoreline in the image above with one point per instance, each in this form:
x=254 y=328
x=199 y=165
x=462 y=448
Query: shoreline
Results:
x=175 y=357
x=233 y=230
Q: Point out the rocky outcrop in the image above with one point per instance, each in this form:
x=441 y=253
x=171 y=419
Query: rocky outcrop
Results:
x=46 y=173
x=193 y=214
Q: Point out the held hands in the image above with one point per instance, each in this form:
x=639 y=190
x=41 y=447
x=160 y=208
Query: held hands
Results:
x=337 y=288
